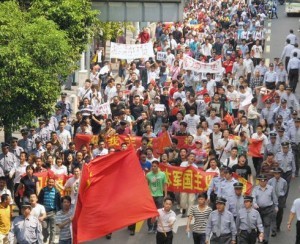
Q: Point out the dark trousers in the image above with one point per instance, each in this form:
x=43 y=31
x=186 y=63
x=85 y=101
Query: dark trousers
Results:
x=244 y=237
x=266 y=214
x=298 y=233
x=18 y=198
x=271 y=85
x=132 y=227
x=164 y=238
x=287 y=60
x=257 y=164
x=256 y=61
x=288 y=177
x=199 y=238
x=296 y=152
x=9 y=183
x=293 y=78
x=222 y=239
x=159 y=204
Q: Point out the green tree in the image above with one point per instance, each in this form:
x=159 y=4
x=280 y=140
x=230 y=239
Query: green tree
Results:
x=34 y=52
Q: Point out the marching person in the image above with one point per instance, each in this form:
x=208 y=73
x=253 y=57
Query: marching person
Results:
x=265 y=201
x=165 y=220
x=221 y=225
x=286 y=162
x=50 y=198
x=200 y=213
x=295 y=211
x=5 y=216
x=236 y=201
x=26 y=228
x=280 y=186
x=248 y=222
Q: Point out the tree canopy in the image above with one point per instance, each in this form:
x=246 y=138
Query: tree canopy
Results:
x=35 y=50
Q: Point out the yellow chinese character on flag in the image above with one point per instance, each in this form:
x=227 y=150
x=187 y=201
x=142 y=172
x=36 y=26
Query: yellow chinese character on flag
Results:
x=177 y=178
x=198 y=179
x=188 y=179
x=113 y=141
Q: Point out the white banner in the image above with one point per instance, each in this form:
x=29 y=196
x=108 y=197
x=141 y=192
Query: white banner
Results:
x=197 y=66
x=162 y=56
x=131 y=51
x=103 y=109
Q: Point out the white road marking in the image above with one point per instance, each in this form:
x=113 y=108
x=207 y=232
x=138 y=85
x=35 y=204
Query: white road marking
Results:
x=269 y=31
x=267 y=61
x=270 y=24
x=267 y=48
x=268 y=38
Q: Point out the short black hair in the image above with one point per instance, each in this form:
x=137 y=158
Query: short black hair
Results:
x=4 y=197
x=68 y=198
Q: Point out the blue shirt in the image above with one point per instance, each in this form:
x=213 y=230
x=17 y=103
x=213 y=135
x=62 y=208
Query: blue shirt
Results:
x=146 y=165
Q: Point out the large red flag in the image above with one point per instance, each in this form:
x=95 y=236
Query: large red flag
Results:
x=81 y=139
x=113 y=194
x=254 y=148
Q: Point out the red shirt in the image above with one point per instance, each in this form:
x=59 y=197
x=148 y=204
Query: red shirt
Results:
x=144 y=36
x=228 y=65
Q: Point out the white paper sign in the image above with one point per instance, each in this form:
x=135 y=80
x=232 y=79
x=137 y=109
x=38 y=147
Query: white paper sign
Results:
x=197 y=66
x=102 y=109
x=131 y=51
x=159 y=107
x=247 y=100
x=162 y=56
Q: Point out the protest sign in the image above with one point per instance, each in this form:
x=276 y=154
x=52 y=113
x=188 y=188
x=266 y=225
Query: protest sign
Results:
x=131 y=51
x=197 y=66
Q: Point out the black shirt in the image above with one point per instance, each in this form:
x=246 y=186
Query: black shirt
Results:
x=29 y=185
x=243 y=171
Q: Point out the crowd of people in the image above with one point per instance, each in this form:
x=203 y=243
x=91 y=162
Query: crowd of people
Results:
x=219 y=113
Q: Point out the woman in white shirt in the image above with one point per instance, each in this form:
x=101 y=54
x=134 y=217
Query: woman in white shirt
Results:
x=59 y=168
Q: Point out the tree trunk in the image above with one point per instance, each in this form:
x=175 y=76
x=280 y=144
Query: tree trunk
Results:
x=7 y=133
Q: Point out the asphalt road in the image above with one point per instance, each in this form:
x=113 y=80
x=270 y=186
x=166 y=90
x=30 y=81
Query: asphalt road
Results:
x=278 y=29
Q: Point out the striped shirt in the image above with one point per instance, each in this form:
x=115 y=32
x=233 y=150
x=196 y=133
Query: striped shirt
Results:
x=49 y=199
x=200 y=217
x=61 y=217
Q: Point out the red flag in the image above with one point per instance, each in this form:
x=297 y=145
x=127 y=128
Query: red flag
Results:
x=202 y=92
x=247 y=186
x=160 y=143
x=254 y=148
x=229 y=118
x=114 y=192
x=182 y=141
x=81 y=139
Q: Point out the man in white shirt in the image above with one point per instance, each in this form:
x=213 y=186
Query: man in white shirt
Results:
x=84 y=92
x=253 y=115
x=100 y=151
x=64 y=136
x=37 y=210
x=224 y=146
x=192 y=121
x=110 y=90
x=292 y=37
x=170 y=58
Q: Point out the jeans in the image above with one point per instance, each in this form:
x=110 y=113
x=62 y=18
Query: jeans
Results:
x=69 y=241
x=49 y=231
x=199 y=238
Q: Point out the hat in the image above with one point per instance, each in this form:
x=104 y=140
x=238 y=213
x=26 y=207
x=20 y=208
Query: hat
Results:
x=14 y=139
x=57 y=106
x=228 y=170
x=268 y=101
x=198 y=141
x=271 y=65
x=221 y=200
x=41 y=120
x=294 y=112
x=297 y=119
x=281 y=129
x=273 y=134
x=24 y=131
x=63 y=94
x=289 y=88
x=26 y=205
x=285 y=144
x=4 y=144
x=238 y=185
x=283 y=100
x=248 y=198
x=277 y=170
x=123 y=122
x=262 y=177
